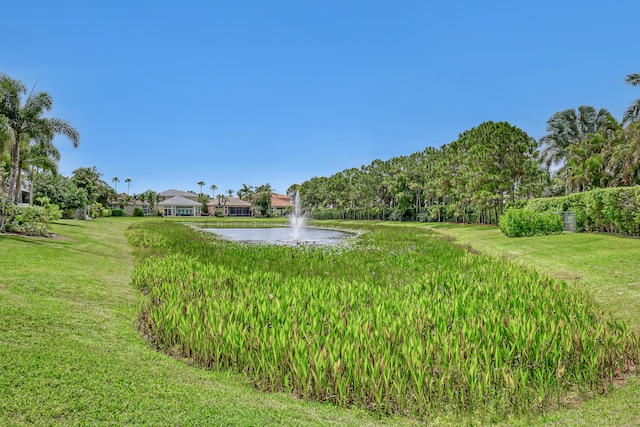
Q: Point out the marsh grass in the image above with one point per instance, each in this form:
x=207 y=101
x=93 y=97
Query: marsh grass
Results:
x=606 y=266
x=403 y=322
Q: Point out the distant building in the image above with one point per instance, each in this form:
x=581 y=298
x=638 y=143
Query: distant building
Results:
x=280 y=203
x=179 y=203
x=232 y=207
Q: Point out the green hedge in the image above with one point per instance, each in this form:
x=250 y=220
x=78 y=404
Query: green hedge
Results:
x=523 y=222
x=610 y=210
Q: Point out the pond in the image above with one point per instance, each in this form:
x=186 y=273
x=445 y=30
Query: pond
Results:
x=282 y=235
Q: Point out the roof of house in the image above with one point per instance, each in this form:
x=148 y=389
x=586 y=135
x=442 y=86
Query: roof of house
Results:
x=179 y=201
x=233 y=202
x=131 y=202
x=172 y=193
x=280 y=200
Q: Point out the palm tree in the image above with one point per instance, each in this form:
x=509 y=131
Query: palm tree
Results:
x=222 y=200
x=229 y=192
x=622 y=157
x=632 y=113
x=201 y=184
x=25 y=120
x=128 y=181
x=570 y=127
x=245 y=192
x=262 y=198
x=35 y=157
x=115 y=181
x=213 y=188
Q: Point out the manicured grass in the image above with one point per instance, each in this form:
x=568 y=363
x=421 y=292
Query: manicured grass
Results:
x=71 y=354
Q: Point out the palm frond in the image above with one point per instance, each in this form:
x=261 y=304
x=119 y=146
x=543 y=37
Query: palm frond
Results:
x=632 y=113
x=633 y=79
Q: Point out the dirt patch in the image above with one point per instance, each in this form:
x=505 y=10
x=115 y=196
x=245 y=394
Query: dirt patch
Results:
x=567 y=276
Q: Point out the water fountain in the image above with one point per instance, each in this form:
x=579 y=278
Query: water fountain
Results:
x=297 y=219
x=295 y=234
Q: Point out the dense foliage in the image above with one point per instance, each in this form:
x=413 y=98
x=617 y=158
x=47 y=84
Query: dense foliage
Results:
x=400 y=322
x=522 y=222
x=611 y=210
x=467 y=180
x=32 y=220
x=27 y=134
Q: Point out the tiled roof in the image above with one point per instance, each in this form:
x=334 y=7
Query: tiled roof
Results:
x=280 y=200
x=231 y=202
x=179 y=201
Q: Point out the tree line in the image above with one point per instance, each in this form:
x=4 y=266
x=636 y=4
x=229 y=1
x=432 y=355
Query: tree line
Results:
x=468 y=180
x=472 y=178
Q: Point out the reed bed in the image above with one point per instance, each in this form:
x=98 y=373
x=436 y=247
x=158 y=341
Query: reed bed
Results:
x=401 y=322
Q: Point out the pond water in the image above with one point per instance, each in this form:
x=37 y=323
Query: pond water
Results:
x=282 y=235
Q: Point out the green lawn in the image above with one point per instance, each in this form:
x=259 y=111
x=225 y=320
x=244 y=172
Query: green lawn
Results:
x=70 y=352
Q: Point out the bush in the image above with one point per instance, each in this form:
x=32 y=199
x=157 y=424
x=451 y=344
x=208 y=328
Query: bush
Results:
x=32 y=220
x=609 y=210
x=522 y=222
x=96 y=210
x=138 y=211
x=69 y=213
x=117 y=212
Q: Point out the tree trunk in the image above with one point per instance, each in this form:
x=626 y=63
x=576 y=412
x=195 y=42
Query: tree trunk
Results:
x=15 y=168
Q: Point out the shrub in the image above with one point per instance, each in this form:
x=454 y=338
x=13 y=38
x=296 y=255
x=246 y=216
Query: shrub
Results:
x=138 y=211
x=32 y=220
x=95 y=210
x=69 y=213
x=522 y=222
x=117 y=212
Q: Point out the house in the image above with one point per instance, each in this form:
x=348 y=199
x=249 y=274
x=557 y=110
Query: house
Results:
x=280 y=204
x=179 y=203
x=232 y=207
x=128 y=204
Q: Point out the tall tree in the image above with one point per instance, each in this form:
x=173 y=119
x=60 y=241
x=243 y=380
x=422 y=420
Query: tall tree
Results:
x=35 y=157
x=97 y=190
x=245 y=192
x=25 y=120
x=201 y=184
x=213 y=188
x=569 y=127
x=262 y=198
x=632 y=114
x=115 y=181
x=128 y=181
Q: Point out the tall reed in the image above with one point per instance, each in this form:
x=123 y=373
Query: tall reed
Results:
x=402 y=322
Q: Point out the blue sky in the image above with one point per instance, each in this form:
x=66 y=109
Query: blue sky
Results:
x=231 y=92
